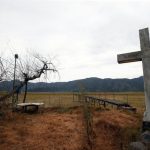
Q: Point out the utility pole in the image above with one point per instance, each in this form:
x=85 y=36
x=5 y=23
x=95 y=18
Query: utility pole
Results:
x=14 y=99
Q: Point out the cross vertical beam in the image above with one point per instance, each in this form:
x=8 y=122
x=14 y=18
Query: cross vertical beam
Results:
x=145 y=48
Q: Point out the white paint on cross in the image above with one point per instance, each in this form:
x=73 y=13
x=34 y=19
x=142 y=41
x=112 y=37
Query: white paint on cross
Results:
x=144 y=56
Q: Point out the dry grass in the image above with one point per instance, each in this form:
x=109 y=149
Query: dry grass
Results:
x=68 y=100
x=66 y=131
x=62 y=128
x=112 y=130
x=50 y=130
x=52 y=99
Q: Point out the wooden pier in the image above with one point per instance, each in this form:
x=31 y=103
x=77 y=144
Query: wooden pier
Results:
x=93 y=101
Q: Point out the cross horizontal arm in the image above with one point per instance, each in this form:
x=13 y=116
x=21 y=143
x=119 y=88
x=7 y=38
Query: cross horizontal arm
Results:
x=129 y=57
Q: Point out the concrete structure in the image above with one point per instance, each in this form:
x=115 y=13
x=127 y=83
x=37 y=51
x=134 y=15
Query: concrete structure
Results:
x=34 y=106
x=137 y=146
x=144 y=56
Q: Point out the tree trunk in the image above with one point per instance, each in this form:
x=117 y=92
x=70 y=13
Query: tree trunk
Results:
x=25 y=94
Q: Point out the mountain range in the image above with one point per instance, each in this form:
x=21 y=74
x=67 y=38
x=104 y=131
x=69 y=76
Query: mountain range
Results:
x=92 y=84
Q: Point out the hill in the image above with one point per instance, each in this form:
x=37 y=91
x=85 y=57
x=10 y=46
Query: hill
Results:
x=89 y=84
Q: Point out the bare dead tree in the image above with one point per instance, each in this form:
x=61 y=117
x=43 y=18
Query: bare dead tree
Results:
x=38 y=73
x=28 y=69
x=6 y=69
x=3 y=71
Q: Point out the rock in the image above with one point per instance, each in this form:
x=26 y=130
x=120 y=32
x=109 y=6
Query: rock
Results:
x=137 y=146
x=145 y=138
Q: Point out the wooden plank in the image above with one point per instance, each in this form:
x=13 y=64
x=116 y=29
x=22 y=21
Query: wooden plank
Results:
x=113 y=102
x=129 y=57
x=29 y=104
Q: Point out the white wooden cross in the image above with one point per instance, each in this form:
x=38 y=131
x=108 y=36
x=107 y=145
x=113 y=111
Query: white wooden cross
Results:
x=144 y=56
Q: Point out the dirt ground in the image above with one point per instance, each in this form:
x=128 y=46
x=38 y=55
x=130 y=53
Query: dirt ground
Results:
x=56 y=129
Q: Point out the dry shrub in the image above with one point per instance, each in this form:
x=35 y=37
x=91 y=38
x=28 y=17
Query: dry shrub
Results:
x=4 y=109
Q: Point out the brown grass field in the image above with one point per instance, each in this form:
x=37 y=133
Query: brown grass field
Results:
x=61 y=125
x=68 y=100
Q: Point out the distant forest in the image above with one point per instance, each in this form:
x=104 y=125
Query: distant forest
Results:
x=89 y=84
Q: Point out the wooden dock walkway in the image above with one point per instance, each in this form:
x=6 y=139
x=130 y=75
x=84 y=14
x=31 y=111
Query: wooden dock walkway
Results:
x=94 y=101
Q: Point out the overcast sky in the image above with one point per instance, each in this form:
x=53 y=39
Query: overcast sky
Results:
x=82 y=36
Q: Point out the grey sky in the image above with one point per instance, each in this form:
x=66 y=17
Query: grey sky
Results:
x=84 y=36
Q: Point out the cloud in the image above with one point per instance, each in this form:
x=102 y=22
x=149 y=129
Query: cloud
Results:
x=85 y=35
